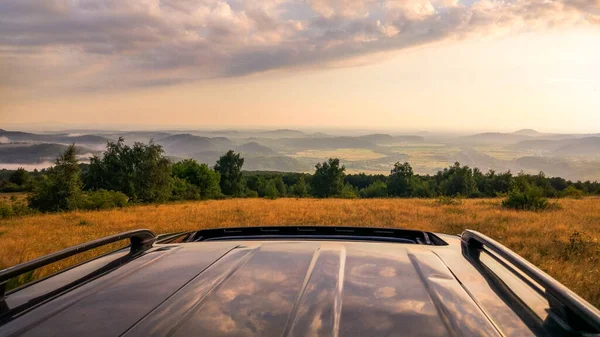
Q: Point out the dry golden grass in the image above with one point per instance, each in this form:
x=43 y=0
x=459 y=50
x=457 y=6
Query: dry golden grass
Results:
x=563 y=242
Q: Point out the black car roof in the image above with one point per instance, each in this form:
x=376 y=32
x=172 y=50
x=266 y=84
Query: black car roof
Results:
x=284 y=286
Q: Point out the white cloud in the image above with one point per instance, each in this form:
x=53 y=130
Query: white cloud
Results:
x=103 y=44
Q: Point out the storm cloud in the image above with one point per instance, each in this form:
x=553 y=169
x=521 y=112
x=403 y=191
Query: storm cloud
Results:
x=103 y=44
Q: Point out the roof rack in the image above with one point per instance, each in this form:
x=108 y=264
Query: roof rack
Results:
x=559 y=297
x=141 y=240
x=318 y=233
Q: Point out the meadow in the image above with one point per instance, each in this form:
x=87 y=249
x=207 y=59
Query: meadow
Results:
x=564 y=242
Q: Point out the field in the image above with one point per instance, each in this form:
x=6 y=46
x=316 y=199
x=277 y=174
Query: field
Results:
x=563 y=242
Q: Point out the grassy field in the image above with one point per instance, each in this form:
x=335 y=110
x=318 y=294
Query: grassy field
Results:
x=563 y=242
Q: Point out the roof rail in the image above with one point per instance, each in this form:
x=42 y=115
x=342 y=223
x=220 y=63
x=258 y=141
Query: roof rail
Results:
x=319 y=233
x=574 y=306
x=141 y=240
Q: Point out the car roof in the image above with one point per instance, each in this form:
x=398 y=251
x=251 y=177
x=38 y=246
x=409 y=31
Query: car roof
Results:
x=277 y=287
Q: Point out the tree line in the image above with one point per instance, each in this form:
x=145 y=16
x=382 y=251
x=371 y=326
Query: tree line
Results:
x=141 y=173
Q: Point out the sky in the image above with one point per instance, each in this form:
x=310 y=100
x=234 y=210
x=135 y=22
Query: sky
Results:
x=381 y=64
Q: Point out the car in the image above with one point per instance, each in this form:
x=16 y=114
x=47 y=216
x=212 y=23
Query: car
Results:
x=294 y=281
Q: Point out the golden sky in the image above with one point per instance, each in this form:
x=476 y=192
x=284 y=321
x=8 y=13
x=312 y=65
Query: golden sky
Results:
x=381 y=64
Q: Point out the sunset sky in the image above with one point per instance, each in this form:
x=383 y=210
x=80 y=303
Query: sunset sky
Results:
x=381 y=64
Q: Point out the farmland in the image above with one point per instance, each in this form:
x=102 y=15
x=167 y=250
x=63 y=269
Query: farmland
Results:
x=564 y=242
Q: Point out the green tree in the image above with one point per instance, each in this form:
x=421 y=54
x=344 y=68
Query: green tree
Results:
x=229 y=167
x=377 y=189
x=200 y=175
x=299 y=189
x=456 y=180
x=281 y=190
x=60 y=188
x=328 y=179
x=19 y=177
x=270 y=190
x=142 y=172
x=400 y=180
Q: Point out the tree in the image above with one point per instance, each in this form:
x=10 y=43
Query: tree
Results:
x=456 y=180
x=400 y=180
x=229 y=166
x=19 y=177
x=60 y=188
x=299 y=188
x=199 y=175
x=270 y=190
x=141 y=172
x=280 y=186
x=328 y=179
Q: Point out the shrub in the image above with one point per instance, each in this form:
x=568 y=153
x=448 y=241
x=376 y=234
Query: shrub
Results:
x=348 y=192
x=571 y=192
x=6 y=211
x=103 y=199
x=377 y=189
x=248 y=193
x=183 y=190
x=530 y=199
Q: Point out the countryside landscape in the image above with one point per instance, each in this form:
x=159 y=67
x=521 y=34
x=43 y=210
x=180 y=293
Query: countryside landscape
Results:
x=551 y=221
x=123 y=120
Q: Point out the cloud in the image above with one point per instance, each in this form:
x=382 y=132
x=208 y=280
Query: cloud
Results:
x=104 y=44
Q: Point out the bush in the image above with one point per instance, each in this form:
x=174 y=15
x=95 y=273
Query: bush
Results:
x=377 y=189
x=572 y=192
x=183 y=190
x=348 y=192
x=103 y=199
x=248 y=193
x=6 y=211
x=530 y=199
x=16 y=209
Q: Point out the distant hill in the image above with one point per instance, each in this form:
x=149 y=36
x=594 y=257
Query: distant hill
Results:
x=190 y=144
x=63 y=138
x=276 y=163
x=325 y=143
x=34 y=153
x=493 y=138
x=254 y=148
x=527 y=132
x=550 y=166
x=377 y=138
x=587 y=146
x=281 y=133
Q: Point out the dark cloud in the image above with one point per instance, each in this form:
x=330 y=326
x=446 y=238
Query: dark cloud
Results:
x=157 y=42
